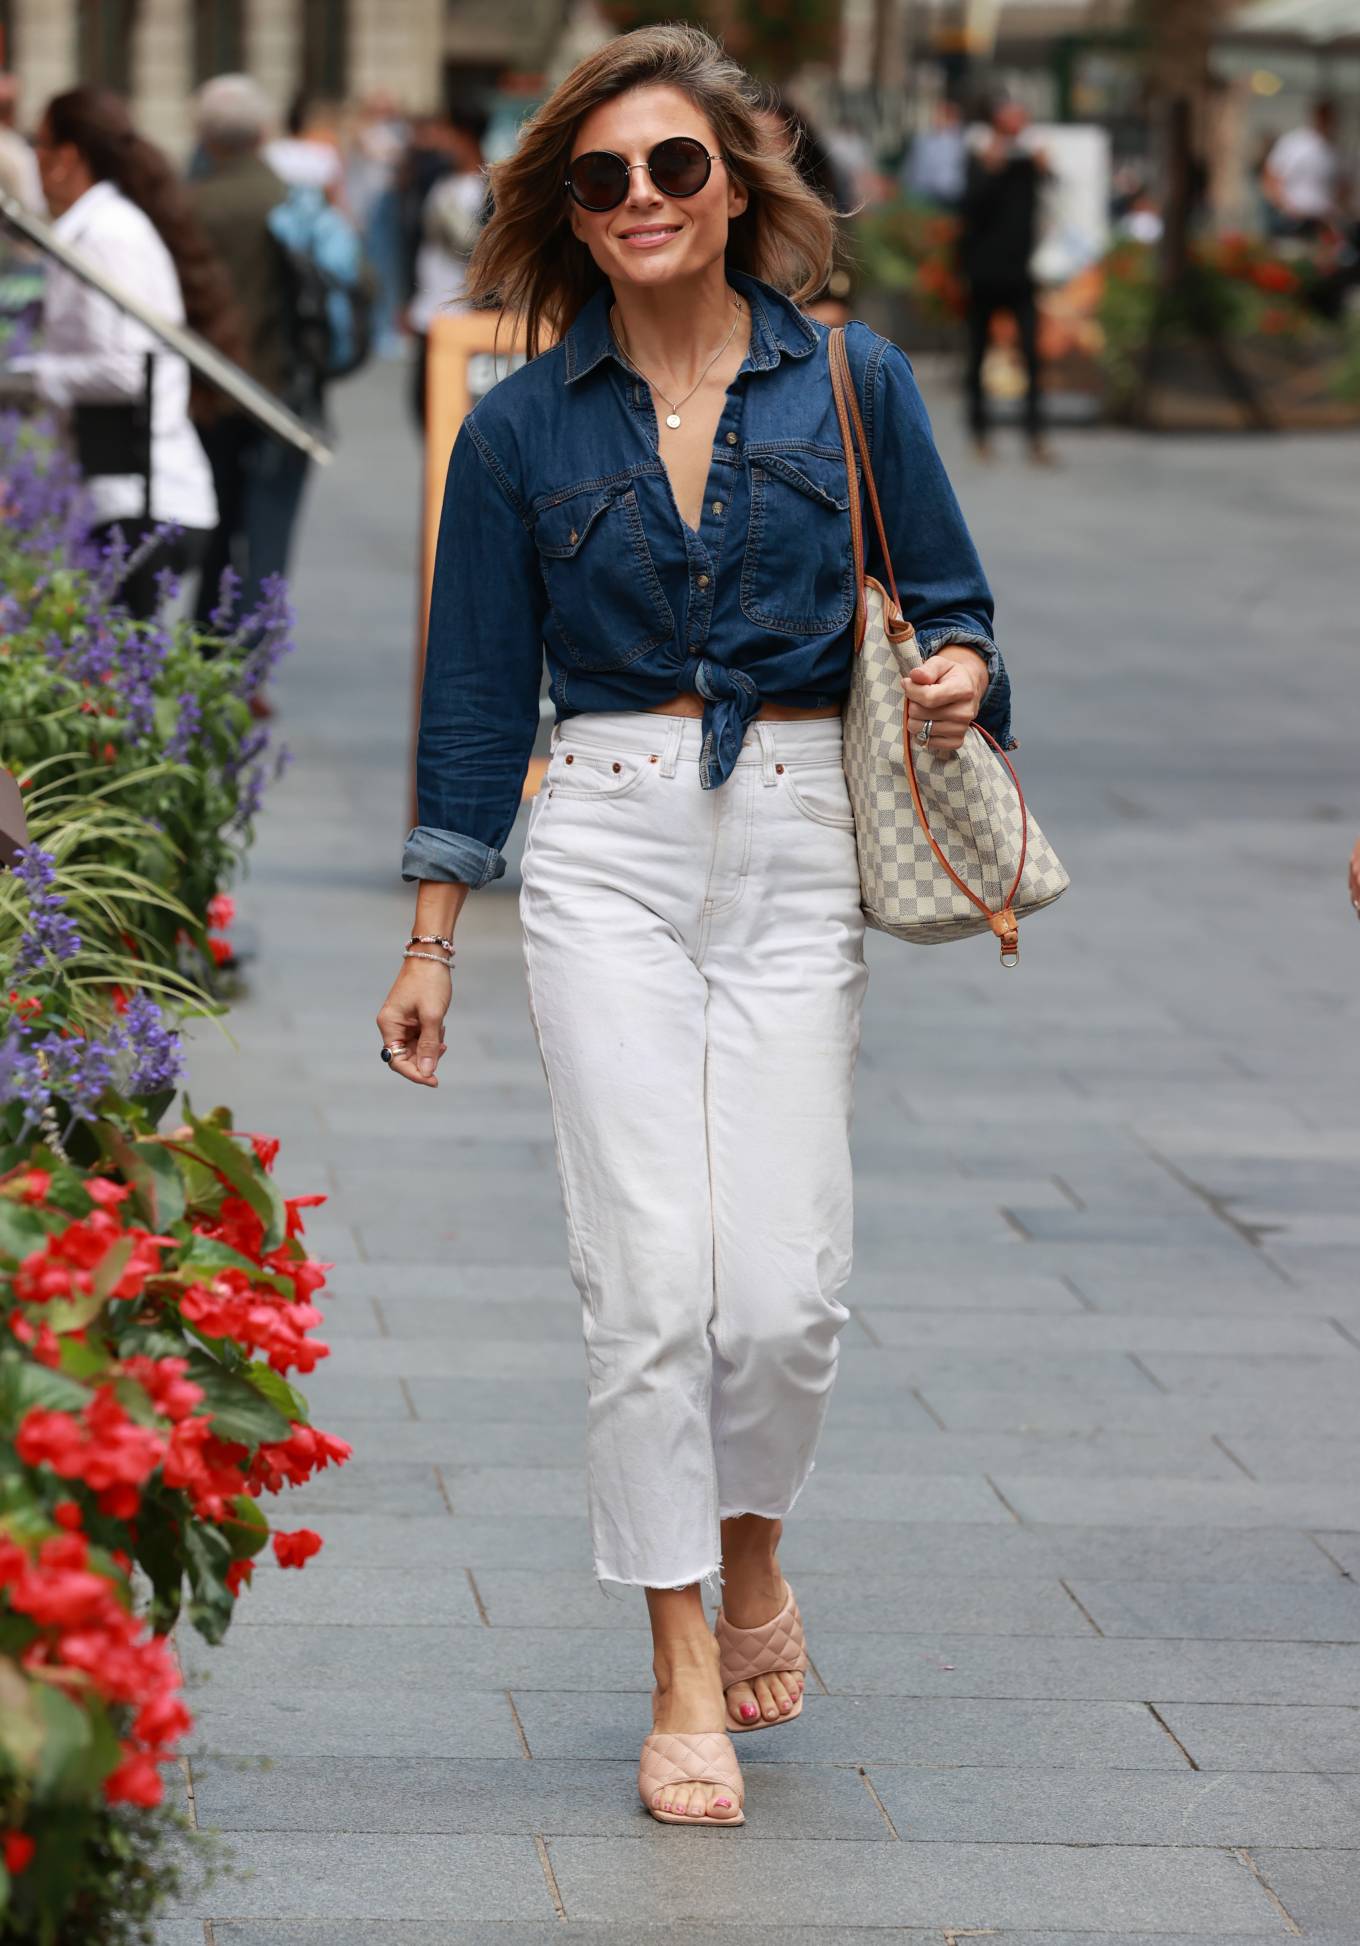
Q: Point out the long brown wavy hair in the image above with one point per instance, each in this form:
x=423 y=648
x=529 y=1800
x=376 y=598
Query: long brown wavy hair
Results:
x=527 y=259
x=98 y=125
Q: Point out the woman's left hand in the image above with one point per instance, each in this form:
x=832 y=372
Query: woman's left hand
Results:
x=946 y=690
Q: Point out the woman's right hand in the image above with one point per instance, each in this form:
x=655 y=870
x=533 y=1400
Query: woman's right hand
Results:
x=412 y=1018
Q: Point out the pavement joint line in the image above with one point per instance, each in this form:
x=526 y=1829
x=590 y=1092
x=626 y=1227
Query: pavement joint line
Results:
x=1253 y=1234
x=404 y=1388
x=1349 y=1336
x=1246 y=1858
x=867 y=1329
x=1150 y=1376
x=1066 y=1278
x=1009 y=1216
x=1017 y=1518
x=209 y=1933
x=519 y=1727
x=442 y=1484
x=541 y=1846
x=1082 y=1609
x=1344 y=1572
x=825 y=1687
x=1067 y=1190
x=927 y=1407
x=381 y=1316
x=1217 y=1439
x=882 y=1807
x=1167 y=1730
x=477 y=1597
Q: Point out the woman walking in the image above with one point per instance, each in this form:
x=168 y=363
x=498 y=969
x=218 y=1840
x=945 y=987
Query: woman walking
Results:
x=117 y=201
x=661 y=501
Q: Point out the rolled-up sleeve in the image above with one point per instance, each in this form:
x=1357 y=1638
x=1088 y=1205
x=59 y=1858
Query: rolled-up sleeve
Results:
x=483 y=665
x=943 y=590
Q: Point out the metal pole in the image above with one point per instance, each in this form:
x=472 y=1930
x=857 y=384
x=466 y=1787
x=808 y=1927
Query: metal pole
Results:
x=205 y=359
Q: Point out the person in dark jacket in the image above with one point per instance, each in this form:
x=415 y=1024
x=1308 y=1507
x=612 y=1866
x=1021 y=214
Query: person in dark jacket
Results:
x=997 y=238
x=259 y=479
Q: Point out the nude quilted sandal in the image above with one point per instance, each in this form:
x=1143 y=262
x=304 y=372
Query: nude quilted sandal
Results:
x=775 y=1646
x=689 y=1757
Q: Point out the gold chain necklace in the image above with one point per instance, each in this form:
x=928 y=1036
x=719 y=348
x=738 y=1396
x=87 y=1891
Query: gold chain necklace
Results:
x=673 y=416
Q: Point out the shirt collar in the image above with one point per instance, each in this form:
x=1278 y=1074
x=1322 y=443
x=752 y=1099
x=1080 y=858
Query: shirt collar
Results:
x=777 y=327
x=72 y=221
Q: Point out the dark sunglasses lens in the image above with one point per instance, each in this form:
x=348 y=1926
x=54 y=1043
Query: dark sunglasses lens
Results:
x=680 y=166
x=599 y=180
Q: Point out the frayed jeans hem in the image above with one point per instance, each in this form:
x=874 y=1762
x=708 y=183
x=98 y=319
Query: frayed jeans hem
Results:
x=708 y=1576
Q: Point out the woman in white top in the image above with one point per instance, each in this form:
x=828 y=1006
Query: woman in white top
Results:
x=117 y=202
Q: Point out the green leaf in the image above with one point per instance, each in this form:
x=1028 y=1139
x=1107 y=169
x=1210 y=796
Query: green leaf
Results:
x=21 y=1229
x=209 y=1254
x=246 y=1527
x=80 y=1747
x=209 y=1556
x=24 y=1385
x=239 y=1412
x=110 y=1268
x=81 y=1358
x=73 y=1314
x=160 y=1555
x=246 y=1177
x=158 y=1186
x=278 y=1391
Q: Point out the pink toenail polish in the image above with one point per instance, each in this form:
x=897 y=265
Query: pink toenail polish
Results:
x=749 y=1709
x=723 y=1803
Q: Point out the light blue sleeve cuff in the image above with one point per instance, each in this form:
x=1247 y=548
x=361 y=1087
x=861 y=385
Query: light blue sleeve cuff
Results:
x=449 y=858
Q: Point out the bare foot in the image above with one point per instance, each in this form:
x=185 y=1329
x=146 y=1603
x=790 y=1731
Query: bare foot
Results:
x=754 y=1591
x=688 y=1698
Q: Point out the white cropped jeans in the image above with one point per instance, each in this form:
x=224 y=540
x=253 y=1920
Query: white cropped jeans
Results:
x=696 y=972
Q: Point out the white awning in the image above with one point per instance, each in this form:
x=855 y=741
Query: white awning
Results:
x=1310 y=20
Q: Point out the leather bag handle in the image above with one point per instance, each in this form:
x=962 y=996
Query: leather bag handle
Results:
x=853 y=437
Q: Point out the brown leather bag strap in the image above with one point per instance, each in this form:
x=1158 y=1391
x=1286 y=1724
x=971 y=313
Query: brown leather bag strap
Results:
x=843 y=392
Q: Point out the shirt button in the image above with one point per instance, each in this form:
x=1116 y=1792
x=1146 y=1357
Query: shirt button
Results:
x=731 y=439
x=717 y=506
x=701 y=580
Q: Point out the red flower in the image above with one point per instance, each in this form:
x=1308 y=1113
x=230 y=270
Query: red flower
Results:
x=292 y=1204
x=36 y=1185
x=67 y=1514
x=266 y=1149
x=19 y=1849
x=220 y=950
x=1271 y=276
x=293 y=1550
x=136 y=1780
x=105 y=1193
x=165 y=1384
x=221 y=911
x=239 y=1575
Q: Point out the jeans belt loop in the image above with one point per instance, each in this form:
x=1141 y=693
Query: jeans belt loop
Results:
x=674 y=738
x=765 y=732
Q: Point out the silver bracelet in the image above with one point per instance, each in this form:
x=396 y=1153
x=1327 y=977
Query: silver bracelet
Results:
x=435 y=959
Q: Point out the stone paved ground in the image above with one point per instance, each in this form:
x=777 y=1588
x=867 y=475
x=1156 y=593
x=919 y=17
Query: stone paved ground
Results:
x=1078 y=1560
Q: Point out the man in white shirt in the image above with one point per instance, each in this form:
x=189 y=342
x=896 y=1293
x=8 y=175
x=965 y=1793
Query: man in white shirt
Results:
x=1303 y=174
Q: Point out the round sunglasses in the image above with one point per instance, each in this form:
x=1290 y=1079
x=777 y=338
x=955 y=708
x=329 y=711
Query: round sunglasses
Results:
x=679 y=166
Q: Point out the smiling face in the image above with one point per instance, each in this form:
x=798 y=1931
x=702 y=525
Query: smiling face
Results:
x=652 y=238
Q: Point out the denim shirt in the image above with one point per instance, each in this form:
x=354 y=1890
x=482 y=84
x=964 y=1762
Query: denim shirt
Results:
x=560 y=532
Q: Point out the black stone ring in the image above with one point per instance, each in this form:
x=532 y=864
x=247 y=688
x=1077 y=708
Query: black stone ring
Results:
x=390 y=1053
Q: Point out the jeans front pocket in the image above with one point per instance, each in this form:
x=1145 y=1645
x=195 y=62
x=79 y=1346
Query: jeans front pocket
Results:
x=607 y=602
x=797 y=576
x=591 y=773
x=821 y=793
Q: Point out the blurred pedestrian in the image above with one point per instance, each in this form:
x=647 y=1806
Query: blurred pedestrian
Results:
x=936 y=167
x=450 y=220
x=999 y=231
x=18 y=164
x=118 y=202
x=260 y=479
x=307 y=155
x=1302 y=179
x=373 y=155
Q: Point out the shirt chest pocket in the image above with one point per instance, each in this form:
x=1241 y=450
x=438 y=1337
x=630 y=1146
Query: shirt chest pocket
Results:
x=607 y=602
x=798 y=577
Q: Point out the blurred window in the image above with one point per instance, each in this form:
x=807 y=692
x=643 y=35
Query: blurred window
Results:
x=105 y=29
x=325 y=50
x=219 y=38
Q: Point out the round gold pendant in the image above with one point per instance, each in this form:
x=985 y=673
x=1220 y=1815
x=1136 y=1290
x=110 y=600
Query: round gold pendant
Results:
x=672 y=419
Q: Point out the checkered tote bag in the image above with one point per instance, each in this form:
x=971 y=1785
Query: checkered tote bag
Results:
x=946 y=844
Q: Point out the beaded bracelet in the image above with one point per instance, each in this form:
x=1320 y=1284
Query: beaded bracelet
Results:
x=431 y=939
x=435 y=959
